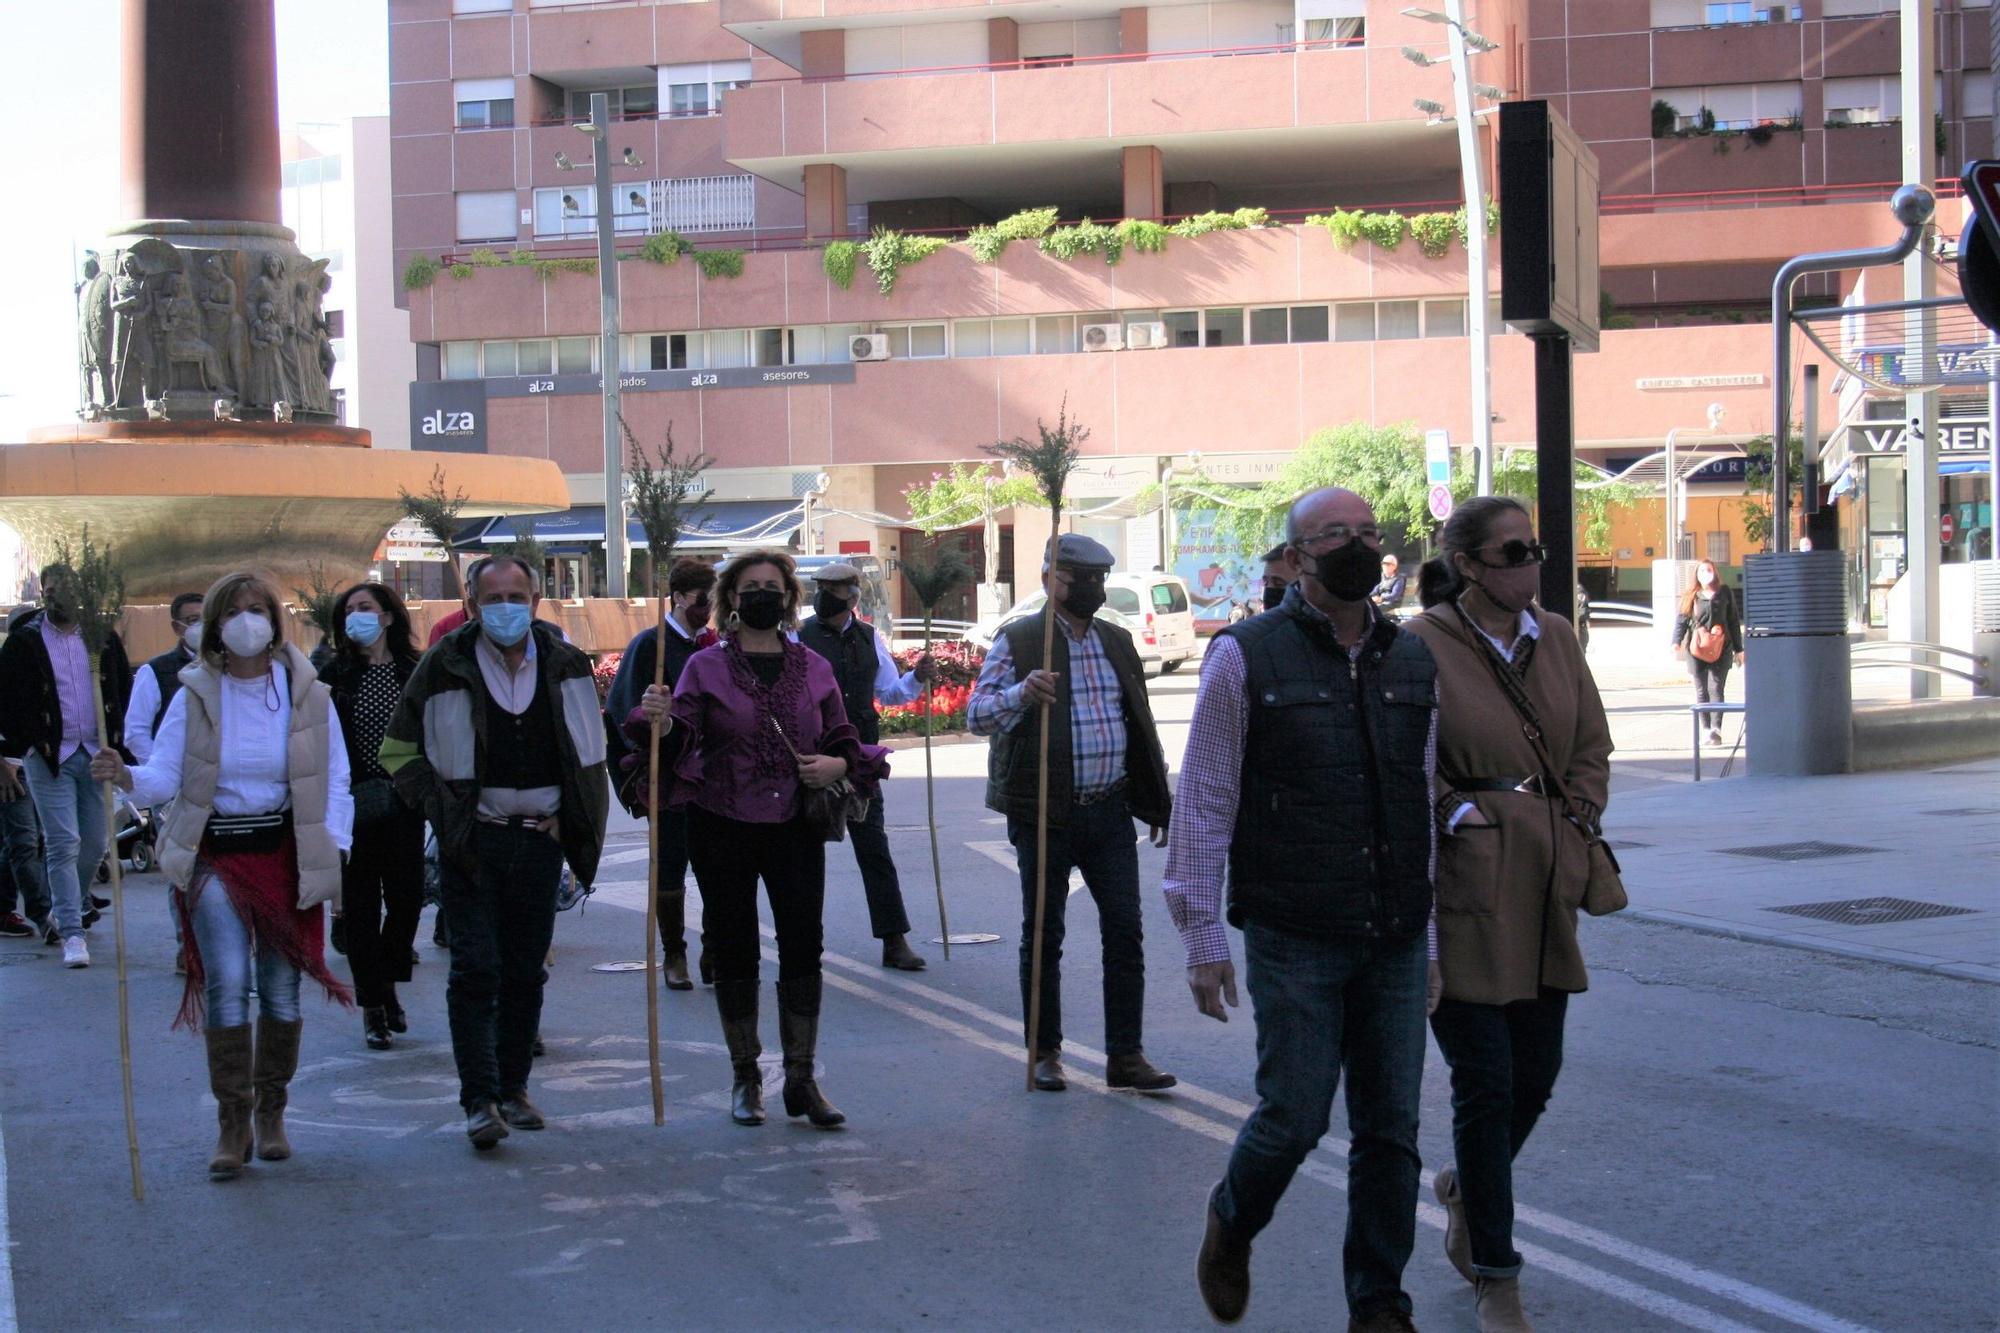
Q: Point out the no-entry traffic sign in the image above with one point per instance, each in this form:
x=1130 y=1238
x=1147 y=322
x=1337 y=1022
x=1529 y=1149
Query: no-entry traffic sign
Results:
x=1440 y=503
x=1947 y=528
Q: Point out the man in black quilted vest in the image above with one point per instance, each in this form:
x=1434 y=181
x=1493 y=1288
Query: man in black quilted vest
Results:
x=867 y=675
x=1307 y=787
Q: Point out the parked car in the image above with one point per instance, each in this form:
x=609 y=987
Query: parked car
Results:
x=1152 y=608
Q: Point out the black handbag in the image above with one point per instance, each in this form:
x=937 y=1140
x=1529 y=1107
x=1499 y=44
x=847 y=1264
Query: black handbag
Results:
x=827 y=810
x=375 y=802
x=231 y=834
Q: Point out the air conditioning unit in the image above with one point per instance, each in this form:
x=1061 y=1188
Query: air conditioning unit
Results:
x=1103 y=337
x=1150 y=334
x=868 y=347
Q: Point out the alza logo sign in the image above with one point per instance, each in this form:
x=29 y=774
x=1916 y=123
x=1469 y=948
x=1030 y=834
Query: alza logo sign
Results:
x=450 y=423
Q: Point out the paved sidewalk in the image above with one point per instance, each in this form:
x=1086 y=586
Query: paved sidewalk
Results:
x=1926 y=841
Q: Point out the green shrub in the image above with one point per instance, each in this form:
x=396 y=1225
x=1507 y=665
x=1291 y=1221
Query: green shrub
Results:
x=1086 y=237
x=421 y=273
x=1434 y=232
x=838 y=260
x=664 y=247
x=1664 y=117
x=1384 y=230
x=718 y=263
x=889 y=252
x=1342 y=224
x=460 y=271
x=547 y=269
x=1148 y=238
x=989 y=243
x=484 y=257
x=1492 y=220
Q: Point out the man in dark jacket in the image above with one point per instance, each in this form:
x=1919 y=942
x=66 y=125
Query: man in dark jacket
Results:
x=499 y=741
x=49 y=720
x=684 y=631
x=1106 y=769
x=155 y=684
x=866 y=674
x=1307 y=787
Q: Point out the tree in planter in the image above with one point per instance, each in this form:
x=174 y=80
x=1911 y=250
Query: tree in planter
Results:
x=1759 y=482
x=1049 y=461
x=316 y=601
x=527 y=548
x=436 y=510
x=97 y=588
x=931 y=576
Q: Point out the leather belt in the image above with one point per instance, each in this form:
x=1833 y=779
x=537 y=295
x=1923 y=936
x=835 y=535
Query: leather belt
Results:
x=516 y=821
x=1100 y=797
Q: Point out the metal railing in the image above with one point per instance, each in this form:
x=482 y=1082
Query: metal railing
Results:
x=1621 y=613
x=912 y=628
x=1910 y=660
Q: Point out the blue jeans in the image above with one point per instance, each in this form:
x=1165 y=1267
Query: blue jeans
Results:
x=71 y=808
x=502 y=920
x=1321 y=1005
x=1098 y=841
x=226 y=948
x=1504 y=1059
x=21 y=834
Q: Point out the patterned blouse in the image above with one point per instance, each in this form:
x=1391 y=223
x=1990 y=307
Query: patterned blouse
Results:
x=374 y=700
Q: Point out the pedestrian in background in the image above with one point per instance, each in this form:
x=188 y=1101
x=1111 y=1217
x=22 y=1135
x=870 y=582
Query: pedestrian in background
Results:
x=1280 y=573
x=1307 y=785
x=866 y=673
x=154 y=686
x=754 y=724
x=251 y=754
x=371 y=656
x=1511 y=869
x=1106 y=769
x=49 y=719
x=26 y=882
x=1708 y=633
x=498 y=740
x=684 y=631
x=1393 y=585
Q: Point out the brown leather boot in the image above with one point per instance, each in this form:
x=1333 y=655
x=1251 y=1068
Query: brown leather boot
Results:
x=1457 y=1240
x=798 y=1029
x=1222 y=1270
x=229 y=1080
x=277 y=1061
x=1499 y=1306
x=674 y=971
x=736 y=1001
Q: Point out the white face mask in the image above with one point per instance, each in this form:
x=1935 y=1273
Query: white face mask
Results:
x=247 y=633
x=1707 y=578
x=191 y=636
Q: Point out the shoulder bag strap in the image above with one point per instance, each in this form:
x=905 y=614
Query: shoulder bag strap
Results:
x=1531 y=724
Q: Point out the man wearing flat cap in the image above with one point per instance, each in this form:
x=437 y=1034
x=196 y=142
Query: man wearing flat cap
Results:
x=867 y=674
x=1106 y=769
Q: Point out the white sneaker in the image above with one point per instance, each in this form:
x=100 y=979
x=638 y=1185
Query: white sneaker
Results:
x=75 y=952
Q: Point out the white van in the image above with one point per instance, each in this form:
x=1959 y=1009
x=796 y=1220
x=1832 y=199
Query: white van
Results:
x=1152 y=608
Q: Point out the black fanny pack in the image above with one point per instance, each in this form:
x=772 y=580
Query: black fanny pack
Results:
x=247 y=833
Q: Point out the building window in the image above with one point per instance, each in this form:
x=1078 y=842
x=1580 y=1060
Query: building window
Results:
x=1878 y=100
x=1270 y=326
x=1308 y=323
x=1444 y=319
x=1222 y=328
x=483 y=104
x=575 y=356
x=767 y=347
x=571 y=210
x=1733 y=106
x=1396 y=319
x=807 y=346
x=500 y=359
x=1055 y=334
x=696 y=89
x=972 y=337
x=336 y=323
x=461 y=361
x=1183 y=327
x=638 y=100
x=1354 y=322
x=481 y=6
x=307 y=171
x=1011 y=337
x=1718 y=548
x=694 y=204
x=534 y=356
x=486 y=215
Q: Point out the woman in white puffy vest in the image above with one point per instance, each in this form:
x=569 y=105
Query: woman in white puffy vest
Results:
x=250 y=753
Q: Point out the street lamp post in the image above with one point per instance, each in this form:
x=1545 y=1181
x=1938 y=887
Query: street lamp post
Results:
x=1462 y=44
x=1672 y=550
x=617 y=553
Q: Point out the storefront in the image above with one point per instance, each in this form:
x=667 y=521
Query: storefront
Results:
x=1868 y=482
x=572 y=540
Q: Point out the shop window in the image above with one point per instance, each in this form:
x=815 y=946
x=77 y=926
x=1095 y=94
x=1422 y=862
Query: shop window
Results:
x=808 y=346
x=728 y=348
x=972 y=337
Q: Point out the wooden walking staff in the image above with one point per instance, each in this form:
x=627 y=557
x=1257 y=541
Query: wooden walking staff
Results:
x=1049 y=462
x=98 y=587
x=664 y=491
x=931 y=577
x=653 y=872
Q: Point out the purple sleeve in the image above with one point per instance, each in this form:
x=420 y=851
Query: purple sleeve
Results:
x=867 y=765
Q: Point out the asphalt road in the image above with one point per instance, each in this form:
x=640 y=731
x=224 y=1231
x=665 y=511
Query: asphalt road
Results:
x=1743 y=1137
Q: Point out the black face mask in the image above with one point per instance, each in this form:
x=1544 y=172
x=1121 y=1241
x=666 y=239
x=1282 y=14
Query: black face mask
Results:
x=761 y=608
x=1274 y=593
x=1349 y=572
x=830 y=606
x=1084 y=600
x=696 y=614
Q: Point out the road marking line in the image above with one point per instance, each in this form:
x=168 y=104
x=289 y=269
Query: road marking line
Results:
x=1332 y=1171
x=8 y=1323
x=1744 y=1293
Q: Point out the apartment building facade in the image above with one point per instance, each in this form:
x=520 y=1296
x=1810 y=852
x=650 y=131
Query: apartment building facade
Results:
x=765 y=133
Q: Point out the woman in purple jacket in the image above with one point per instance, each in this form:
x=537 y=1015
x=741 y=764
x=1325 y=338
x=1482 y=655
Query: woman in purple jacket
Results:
x=753 y=722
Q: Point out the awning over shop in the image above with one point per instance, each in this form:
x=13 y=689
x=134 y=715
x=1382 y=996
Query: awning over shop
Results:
x=1963 y=467
x=719 y=523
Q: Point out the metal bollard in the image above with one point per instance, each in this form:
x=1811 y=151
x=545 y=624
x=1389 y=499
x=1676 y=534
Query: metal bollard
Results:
x=1799 y=691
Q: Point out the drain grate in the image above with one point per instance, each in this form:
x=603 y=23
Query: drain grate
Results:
x=1800 y=851
x=1872 y=911
x=1965 y=811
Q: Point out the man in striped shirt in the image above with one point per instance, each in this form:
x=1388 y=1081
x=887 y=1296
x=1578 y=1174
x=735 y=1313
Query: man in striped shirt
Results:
x=1105 y=768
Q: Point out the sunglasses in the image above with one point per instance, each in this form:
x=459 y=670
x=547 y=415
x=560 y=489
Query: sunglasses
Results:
x=1513 y=555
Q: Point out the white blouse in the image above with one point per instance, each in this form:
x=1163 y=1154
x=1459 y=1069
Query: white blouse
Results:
x=255 y=726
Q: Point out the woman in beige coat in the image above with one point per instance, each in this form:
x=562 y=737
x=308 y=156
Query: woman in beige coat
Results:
x=1511 y=867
